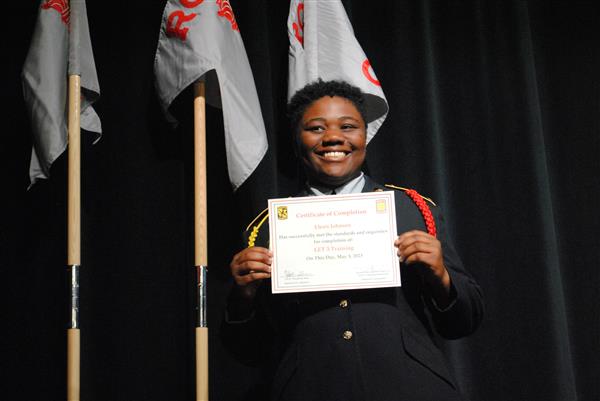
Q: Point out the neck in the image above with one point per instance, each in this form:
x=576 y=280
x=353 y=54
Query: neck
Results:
x=328 y=186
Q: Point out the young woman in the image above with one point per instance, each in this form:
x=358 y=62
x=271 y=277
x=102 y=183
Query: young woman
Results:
x=370 y=344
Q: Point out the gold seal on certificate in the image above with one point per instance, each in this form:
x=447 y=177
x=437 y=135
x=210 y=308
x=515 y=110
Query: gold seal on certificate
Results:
x=324 y=243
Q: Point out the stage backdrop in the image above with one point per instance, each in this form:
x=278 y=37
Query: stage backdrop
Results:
x=494 y=113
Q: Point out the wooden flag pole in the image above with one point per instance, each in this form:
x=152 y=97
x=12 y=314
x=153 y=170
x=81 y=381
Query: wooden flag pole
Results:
x=200 y=238
x=74 y=235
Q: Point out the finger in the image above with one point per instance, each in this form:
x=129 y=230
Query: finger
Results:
x=260 y=249
x=420 y=252
x=252 y=266
x=260 y=254
x=415 y=247
x=249 y=267
x=412 y=240
x=256 y=254
x=254 y=249
x=251 y=278
x=420 y=257
x=413 y=235
x=407 y=248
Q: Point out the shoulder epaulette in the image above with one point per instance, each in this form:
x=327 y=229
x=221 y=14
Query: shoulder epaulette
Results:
x=406 y=190
x=255 y=224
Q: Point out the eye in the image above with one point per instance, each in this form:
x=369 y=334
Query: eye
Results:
x=348 y=126
x=315 y=128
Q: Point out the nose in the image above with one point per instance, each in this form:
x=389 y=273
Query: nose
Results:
x=332 y=136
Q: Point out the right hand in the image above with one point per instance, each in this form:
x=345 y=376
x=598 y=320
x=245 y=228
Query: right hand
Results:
x=250 y=267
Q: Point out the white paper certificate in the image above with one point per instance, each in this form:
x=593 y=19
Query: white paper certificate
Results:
x=323 y=243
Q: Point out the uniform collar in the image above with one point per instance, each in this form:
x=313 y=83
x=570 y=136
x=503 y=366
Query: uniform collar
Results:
x=353 y=186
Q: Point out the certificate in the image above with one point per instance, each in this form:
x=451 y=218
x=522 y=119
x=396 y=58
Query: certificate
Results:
x=324 y=243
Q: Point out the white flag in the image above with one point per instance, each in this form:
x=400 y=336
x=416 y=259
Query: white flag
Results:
x=323 y=45
x=60 y=46
x=198 y=36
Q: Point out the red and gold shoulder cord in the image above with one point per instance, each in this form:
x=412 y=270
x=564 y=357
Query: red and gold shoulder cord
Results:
x=422 y=205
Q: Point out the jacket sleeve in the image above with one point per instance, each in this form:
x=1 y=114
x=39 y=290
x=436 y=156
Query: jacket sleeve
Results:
x=248 y=339
x=245 y=330
x=465 y=312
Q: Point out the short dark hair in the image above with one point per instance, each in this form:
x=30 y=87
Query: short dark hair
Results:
x=314 y=91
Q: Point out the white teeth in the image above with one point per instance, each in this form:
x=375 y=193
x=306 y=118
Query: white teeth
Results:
x=334 y=155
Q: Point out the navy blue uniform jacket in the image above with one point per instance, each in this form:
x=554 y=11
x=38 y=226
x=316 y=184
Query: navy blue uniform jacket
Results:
x=375 y=344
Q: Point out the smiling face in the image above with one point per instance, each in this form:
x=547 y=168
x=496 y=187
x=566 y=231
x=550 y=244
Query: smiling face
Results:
x=333 y=141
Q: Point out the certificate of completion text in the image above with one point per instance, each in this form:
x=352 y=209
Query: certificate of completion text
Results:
x=323 y=243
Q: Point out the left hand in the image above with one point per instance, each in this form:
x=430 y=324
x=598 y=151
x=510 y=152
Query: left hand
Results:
x=419 y=247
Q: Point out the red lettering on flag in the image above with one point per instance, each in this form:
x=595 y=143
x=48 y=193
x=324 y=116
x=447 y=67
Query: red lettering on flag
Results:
x=191 y=3
x=226 y=11
x=174 y=28
x=299 y=24
x=367 y=73
x=62 y=6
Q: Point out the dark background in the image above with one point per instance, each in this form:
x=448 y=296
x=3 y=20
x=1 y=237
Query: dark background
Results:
x=494 y=113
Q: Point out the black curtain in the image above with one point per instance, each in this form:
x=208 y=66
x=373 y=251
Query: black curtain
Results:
x=494 y=113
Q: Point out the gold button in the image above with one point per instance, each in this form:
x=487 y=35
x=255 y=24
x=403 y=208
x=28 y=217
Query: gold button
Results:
x=343 y=303
x=347 y=335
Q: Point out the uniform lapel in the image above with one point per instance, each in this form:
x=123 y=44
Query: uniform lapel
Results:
x=371 y=185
